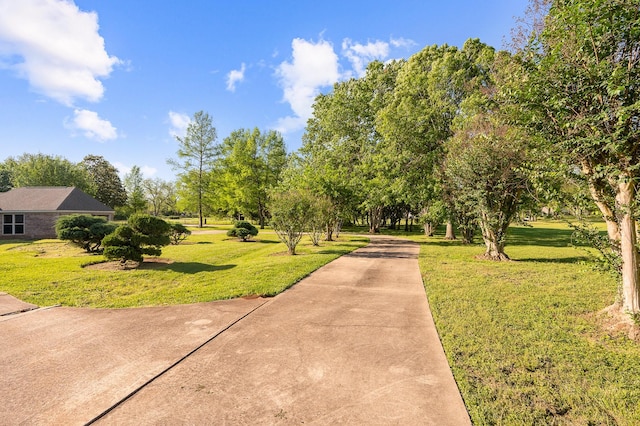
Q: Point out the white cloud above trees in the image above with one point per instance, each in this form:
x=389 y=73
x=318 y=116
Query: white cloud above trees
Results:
x=234 y=77
x=361 y=54
x=92 y=126
x=179 y=123
x=56 y=47
x=314 y=65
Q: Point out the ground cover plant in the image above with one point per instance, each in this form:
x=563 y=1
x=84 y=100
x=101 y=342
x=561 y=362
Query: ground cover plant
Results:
x=205 y=267
x=526 y=340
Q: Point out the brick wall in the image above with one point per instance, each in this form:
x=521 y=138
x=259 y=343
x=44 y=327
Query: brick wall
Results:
x=36 y=226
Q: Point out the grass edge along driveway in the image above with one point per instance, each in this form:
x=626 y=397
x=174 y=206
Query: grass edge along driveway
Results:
x=205 y=267
x=526 y=340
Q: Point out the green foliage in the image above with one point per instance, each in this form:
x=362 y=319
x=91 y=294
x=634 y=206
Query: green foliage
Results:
x=5 y=180
x=178 y=233
x=484 y=164
x=344 y=155
x=433 y=215
x=160 y=194
x=45 y=170
x=243 y=230
x=85 y=231
x=136 y=201
x=290 y=215
x=196 y=160
x=608 y=257
x=576 y=87
x=106 y=185
x=143 y=234
x=321 y=217
x=250 y=166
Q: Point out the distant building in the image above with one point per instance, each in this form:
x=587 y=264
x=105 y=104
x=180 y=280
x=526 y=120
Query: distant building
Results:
x=31 y=212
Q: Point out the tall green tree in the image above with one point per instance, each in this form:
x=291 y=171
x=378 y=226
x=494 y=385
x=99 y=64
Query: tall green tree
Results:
x=133 y=182
x=419 y=119
x=251 y=164
x=106 y=185
x=45 y=170
x=197 y=153
x=578 y=88
x=5 y=180
x=343 y=149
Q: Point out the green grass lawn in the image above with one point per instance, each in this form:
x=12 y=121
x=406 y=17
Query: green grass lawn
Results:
x=524 y=339
x=205 y=267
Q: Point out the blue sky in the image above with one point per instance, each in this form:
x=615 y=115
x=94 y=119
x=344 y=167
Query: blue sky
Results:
x=119 y=78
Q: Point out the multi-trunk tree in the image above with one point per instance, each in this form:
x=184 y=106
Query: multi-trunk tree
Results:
x=578 y=87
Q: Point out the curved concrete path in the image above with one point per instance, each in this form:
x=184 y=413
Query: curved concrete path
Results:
x=354 y=343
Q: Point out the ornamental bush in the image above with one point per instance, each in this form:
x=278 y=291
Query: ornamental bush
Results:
x=142 y=234
x=243 y=230
x=178 y=233
x=84 y=231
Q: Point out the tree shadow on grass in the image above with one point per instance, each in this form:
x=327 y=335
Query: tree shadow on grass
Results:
x=194 y=267
x=575 y=259
x=545 y=237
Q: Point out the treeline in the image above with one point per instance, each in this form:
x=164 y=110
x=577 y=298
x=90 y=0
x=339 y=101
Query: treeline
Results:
x=97 y=177
x=467 y=136
x=471 y=136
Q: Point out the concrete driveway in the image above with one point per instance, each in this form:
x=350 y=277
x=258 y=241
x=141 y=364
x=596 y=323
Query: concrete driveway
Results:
x=354 y=343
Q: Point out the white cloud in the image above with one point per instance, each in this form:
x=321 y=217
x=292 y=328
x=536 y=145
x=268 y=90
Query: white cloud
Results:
x=92 y=125
x=148 y=171
x=314 y=65
x=402 y=42
x=56 y=47
x=123 y=169
x=234 y=77
x=361 y=54
x=179 y=123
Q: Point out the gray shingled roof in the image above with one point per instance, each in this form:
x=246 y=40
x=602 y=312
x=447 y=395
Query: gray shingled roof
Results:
x=50 y=198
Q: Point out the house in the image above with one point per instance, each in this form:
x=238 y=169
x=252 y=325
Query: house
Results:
x=31 y=212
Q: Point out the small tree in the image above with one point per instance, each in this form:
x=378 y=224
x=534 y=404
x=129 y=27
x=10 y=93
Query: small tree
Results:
x=243 y=230
x=290 y=212
x=178 y=233
x=84 y=231
x=485 y=163
x=321 y=217
x=143 y=234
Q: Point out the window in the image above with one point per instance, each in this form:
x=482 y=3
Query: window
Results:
x=13 y=224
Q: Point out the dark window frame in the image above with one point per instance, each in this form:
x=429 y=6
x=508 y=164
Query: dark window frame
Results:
x=13 y=223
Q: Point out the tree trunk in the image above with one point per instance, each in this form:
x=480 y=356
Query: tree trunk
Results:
x=495 y=248
x=597 y=194
x=450 y=234
x=375 y=217
x=428 y=229
x=329 y=232
x=624 y=199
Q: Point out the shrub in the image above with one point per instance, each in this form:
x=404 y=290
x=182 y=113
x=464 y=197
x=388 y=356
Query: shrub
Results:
x=143 y=234
x=178 y=233
x=84 y=231
x=290 y=215
x=243 y=230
